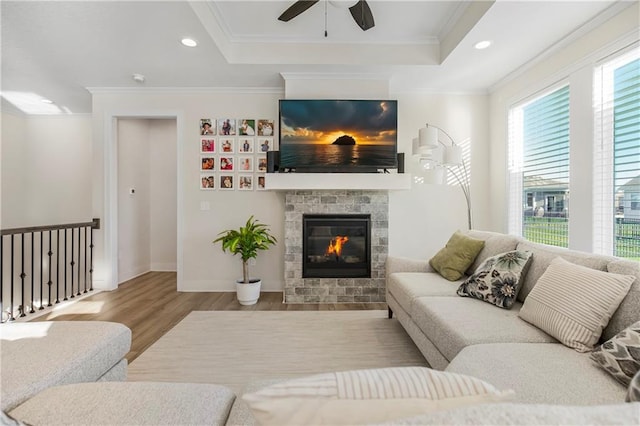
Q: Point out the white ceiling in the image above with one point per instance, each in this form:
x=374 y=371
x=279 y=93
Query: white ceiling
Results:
x=58 y=49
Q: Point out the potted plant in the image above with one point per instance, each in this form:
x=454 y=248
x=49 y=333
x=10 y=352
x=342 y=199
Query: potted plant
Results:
x=247 y=241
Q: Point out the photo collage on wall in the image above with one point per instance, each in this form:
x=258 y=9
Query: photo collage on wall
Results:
x=233 y=153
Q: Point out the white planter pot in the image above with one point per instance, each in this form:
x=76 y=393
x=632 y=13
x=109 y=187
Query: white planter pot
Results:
x=248 y=294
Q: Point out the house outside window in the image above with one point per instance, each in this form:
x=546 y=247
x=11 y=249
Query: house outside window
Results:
x=539 y=168
x=617 y=156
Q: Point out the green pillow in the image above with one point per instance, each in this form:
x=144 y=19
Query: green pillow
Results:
x=456 y=256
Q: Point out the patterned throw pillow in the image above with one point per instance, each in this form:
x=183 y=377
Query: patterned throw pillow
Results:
x=367 y=396
x=634 y=389
x=497 y=280
x=620 y=355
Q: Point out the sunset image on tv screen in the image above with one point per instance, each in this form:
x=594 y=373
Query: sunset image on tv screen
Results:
x=338 y=133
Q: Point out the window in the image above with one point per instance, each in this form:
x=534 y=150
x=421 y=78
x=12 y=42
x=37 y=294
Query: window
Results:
x=617 y=156
x=539 y=168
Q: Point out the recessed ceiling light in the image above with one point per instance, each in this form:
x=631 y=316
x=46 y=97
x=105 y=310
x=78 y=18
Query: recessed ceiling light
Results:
x=482 y=44
x=46 y=101
x=189 y=42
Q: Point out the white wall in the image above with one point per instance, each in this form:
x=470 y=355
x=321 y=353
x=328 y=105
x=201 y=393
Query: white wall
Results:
x=163 y=202
x=205 y=266
x=147 y=218
x=573 y=64
x=13 y=185
x=134 y=257
x=421 y=219
x=46 y=170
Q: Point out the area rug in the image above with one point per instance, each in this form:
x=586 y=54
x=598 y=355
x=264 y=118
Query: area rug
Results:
x=234 y=348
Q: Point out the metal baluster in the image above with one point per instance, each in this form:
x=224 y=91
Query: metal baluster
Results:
x=85 y=259
x=31 y=311
x=41 y=270
x=79 y=262
x=11 y=318
x=91 y=260
x=1 y=278
x=58 y=266
x=73 y=262
x=49 y=283
x=22 y=275
x=65 y=266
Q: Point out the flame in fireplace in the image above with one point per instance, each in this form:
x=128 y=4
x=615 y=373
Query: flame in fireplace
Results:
x=335 y=245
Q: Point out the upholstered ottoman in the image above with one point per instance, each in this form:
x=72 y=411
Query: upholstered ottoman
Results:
x=38 y=355
x=128 y=403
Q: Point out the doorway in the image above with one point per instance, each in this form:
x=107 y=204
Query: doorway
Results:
x=146 y=169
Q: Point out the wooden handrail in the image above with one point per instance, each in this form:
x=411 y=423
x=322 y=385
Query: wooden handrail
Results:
x=94 y=224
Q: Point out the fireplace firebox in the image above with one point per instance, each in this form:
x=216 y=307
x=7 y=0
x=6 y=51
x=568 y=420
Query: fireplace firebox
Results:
x=336 y=246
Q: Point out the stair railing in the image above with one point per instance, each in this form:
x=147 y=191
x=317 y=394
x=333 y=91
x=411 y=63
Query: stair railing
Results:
x=44 y=265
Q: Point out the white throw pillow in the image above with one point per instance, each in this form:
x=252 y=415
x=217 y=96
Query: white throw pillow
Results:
x=367 y=396
x=574 y=303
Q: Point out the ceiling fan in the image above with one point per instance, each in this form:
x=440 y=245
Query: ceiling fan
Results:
x=361 y=12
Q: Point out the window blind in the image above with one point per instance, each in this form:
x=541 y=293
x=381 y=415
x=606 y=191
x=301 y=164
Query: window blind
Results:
x=616 y=197
x=539 y=168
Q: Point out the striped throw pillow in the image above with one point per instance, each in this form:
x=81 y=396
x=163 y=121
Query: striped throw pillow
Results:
x=367 y=396
x=574 y=303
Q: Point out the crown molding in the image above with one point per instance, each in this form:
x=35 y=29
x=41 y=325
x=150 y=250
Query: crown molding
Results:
x=185 y=90
x=335 y=76
x=428 y=91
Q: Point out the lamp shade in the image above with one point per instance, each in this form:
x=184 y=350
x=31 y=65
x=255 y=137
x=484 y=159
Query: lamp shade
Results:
x=452 y=155
x=415 y=147
x=428 y=138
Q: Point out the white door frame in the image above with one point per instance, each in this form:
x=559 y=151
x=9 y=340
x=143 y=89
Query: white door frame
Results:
x=110 y=207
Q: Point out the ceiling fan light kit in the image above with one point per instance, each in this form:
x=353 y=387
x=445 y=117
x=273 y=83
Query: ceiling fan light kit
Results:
x=360 y=11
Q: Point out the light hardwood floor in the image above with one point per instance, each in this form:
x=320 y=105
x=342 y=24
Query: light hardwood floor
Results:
x=150 y=306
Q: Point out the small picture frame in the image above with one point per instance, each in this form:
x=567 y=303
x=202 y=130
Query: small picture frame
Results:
x=245 y=182
x=260 y=182
x=226 y=164
x=207 y=181
x=265 y=127
x=207 y=127
x=261 y=161
x=245 y=145
x=226 y=145
x=207 y=163
x=246 y=127
x=207 y=145
x=226 y=126
x=226 y=182
x=265 y=144
x=245 y=164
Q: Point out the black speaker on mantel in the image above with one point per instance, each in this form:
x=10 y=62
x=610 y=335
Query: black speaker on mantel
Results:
x=401 y=162
x=273 y=158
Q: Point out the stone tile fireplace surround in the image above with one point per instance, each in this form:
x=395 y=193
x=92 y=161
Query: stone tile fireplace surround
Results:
x=335 y=290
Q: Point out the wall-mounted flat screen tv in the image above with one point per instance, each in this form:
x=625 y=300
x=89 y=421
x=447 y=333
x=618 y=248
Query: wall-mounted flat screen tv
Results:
x=324 y=135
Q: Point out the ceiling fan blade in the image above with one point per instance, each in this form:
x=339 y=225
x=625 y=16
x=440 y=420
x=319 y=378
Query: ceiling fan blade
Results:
x=361 y=13
x=296 y=9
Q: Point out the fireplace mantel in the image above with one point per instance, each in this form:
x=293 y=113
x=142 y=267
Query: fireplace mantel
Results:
x=320 y=181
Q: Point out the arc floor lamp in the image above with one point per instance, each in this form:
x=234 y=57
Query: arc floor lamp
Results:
x=434 y=157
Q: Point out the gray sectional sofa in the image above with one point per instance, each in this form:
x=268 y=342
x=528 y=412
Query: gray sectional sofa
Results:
x=35 y=356
x=50 y=370
x=468 y=336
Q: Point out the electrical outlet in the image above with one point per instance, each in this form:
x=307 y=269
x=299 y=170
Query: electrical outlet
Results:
x=252 y=262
